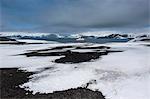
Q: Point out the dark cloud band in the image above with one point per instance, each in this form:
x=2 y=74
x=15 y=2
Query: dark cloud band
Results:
x=69 y=15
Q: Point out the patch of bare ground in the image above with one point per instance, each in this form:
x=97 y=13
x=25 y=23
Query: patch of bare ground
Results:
x=11 y=78
x=71 y=56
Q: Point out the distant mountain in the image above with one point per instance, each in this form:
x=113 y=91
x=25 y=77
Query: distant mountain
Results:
x=141 y=38
x=81 y=37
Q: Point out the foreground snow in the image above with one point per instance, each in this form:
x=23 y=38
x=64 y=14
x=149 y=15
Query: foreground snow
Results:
x=124 y=75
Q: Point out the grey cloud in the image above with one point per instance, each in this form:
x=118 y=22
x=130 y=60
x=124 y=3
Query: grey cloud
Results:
x=65 y=15
x=102 y=12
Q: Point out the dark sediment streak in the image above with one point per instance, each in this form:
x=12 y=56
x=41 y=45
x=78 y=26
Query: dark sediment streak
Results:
x=71 y=56
x=97 y=47
x=77 y=57
x=10 y=41
x=2 y=38
x=11 y=78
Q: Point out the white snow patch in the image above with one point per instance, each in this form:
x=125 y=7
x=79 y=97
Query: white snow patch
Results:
x=123 y=75
x=35 y=41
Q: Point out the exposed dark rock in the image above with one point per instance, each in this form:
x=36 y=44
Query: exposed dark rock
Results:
x=111 y=36
x=6 y=39
x=148 y=45
x=114 y=35
x=77 y=57
x=111 y=51
x=61 y=47
x=11 y=78
x=10 y=81
x=145 y=39
x=141 y=36
x=54 y=48
x=13 y=43
x=90 y=82
x=30 y=54
x=70 y=56
x=97 y=47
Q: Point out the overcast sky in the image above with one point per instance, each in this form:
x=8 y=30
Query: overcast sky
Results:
x=74 y=15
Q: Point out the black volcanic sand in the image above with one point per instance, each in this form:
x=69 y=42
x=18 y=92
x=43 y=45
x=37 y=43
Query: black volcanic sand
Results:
x=70 y=56
x=11 y=78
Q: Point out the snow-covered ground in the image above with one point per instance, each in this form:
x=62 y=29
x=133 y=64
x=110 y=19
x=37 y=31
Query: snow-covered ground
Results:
x=35 y=41
x=123 y=75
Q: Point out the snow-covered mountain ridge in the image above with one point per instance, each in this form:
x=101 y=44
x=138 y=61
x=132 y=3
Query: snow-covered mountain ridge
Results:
x=93 y=37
